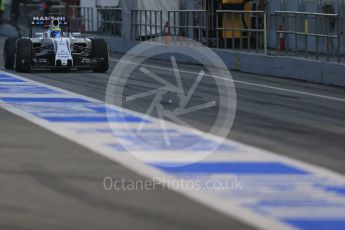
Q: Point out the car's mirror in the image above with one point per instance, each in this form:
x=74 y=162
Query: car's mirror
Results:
x=38 y=34
x=76 y=34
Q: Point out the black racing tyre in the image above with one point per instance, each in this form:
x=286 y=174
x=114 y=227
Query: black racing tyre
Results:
x=100 y=50
x=23 y=56
x=9 y=52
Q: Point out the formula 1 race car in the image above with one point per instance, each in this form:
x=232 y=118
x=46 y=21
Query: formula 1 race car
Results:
x=54 y=49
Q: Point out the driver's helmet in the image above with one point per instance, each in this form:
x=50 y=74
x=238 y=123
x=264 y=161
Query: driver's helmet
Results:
x=56 y=33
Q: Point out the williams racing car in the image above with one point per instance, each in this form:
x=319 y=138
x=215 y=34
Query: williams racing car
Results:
x=55 y=49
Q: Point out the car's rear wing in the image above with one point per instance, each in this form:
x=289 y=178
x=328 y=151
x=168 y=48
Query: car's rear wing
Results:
x=44 y=22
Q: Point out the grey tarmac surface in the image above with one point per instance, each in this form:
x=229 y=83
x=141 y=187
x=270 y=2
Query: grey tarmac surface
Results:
x=54 y=183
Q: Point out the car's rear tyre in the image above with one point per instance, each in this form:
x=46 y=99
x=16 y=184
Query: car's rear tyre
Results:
x=100 y=50
x=23 y=55
x=9 y=52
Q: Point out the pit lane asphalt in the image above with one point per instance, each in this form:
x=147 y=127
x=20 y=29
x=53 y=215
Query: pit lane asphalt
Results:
x=54 y=183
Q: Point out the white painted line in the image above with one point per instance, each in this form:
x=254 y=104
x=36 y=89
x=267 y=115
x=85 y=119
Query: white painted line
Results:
x=240 y=82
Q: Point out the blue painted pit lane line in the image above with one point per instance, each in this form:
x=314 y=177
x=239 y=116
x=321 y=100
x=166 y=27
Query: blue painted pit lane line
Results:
x=335 y=189
x=42 y=99
x=298 y=203
x=25 y=89
x=8 y=80
x=5 y=76
x=318 y=225
x=102 y=119
x=234 y=168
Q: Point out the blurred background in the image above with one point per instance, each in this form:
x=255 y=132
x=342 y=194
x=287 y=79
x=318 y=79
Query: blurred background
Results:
x=303 y=28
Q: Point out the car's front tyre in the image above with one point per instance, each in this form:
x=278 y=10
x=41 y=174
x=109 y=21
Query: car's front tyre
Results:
x=9 y=52
x=23 y=55
x=100 y=51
